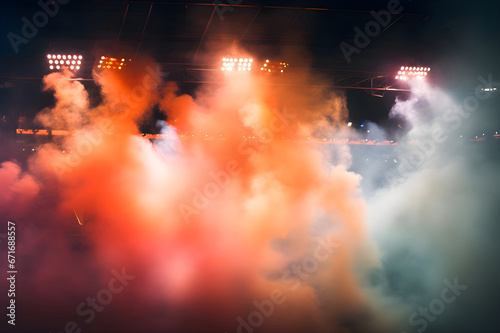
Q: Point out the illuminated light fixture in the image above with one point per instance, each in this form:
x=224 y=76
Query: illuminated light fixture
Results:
x=111 y=63
x=230 y=64
x=411 y=73
x=64 y=61
x=274 y=66
x=349 y=124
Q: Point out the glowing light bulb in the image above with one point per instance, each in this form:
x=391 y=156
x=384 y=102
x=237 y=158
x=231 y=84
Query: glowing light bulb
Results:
x=51 y=67
x=49 y=56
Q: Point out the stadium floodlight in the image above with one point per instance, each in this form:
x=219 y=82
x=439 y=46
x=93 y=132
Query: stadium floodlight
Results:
x=112 y=63
x=274 y=66
x=60 y=61
x=409 y=73
x=231 y=64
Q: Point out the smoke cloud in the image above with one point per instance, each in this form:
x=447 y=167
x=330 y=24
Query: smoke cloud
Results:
x=241 y=220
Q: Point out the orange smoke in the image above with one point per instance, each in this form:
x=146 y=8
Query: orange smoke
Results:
x=230 y=215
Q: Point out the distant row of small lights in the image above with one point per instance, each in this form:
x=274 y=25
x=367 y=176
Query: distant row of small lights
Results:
x=33 y=149
x=229 y=64
x=412 y=72
x=111 y=63
x=56 y=61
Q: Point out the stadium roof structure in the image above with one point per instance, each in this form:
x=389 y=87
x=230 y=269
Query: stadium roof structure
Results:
x=457 y=39
x=185 y=32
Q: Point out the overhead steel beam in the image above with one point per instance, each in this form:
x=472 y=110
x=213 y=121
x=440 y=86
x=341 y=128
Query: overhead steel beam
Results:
x=268 y=7
x=292 y=22
x=123 y=22
x=204 y=32
x=144 y=29
x=248 y=27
